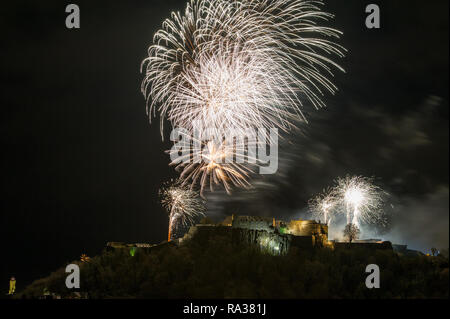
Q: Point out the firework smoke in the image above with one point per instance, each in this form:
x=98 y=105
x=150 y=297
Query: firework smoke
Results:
x=183 y=205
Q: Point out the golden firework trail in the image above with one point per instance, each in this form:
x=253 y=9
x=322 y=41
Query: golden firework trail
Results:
x=183 y=205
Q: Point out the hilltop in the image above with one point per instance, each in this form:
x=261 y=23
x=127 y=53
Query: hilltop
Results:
x=214 y=267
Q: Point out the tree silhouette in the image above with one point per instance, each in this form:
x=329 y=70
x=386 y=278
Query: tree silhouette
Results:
x=351 y=232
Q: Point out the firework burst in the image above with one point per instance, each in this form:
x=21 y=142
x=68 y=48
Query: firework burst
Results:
x=214 y=162
x=362 y=200
x=183 y=205
x=239 y=65
x=323 y=206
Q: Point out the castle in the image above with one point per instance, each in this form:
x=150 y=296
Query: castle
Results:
x=269 y=235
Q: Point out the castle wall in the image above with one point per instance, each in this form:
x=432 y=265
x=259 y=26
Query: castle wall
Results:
x=261 y=231
x=306 y=228
x=253 y=222
x=203 y=232
x=271 y=242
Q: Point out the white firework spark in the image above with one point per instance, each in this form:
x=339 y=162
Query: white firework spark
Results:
x=182 y=203
x=362 y=200
x=323 y=206
x=240 y=64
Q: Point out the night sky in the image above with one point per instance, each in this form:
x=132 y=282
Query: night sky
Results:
x=82 y=166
